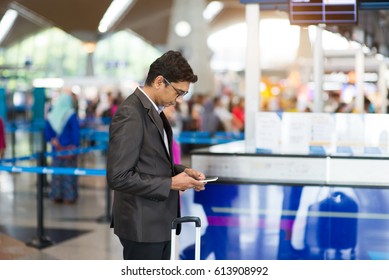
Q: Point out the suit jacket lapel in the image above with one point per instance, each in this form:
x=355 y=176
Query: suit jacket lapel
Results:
x=153 y=114
x=157 y=120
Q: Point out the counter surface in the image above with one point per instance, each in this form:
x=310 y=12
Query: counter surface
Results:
x=232 y=163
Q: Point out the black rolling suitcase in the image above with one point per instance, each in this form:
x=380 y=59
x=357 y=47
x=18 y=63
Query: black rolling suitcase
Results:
x=181 y=220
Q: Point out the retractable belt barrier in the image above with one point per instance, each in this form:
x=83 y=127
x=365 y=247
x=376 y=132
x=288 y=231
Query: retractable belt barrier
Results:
x=54 y=170
x=207 y=138
x=41 y=241
x=52 y=154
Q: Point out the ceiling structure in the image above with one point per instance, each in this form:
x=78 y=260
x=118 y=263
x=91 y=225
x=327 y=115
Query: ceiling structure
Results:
x=80 y=18
x=150 y=19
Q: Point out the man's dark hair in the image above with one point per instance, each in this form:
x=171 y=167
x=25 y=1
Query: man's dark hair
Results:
x=173 y=67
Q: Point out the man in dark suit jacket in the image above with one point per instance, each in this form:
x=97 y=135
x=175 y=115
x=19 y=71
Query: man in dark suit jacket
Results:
x=140 y=166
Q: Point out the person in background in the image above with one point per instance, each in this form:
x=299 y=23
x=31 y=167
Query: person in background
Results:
x=238 y=111
x=112 y=107
x=2 y=139
x=109 y=112
x=222 y=112
x=368 y=106
x=63 y=132
x=195 y=113
x=140 y=162
x=210 y=122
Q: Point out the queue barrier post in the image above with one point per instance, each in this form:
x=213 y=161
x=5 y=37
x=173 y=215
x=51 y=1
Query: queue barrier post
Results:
x=41 y=240
x=13 y=139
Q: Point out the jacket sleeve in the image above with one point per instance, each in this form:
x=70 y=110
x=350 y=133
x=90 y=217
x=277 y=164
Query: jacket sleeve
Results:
x=178 y=168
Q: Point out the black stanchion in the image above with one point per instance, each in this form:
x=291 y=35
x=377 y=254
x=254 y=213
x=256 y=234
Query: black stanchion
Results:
x=106 y=218
x=13 y=139
x=41 y=240
x=43 y=160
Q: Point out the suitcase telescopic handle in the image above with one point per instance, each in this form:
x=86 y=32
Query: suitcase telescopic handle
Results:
x=187 y=219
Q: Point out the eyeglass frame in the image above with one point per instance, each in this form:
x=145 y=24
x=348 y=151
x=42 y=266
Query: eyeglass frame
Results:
x=180 y=92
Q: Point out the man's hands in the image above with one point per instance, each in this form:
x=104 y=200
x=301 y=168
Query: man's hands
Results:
x=189 y=179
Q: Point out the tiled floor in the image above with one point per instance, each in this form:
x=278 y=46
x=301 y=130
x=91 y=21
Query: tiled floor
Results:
x=74 y=232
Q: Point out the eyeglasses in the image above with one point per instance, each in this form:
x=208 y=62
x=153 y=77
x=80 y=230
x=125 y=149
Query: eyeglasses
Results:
x=180 y=93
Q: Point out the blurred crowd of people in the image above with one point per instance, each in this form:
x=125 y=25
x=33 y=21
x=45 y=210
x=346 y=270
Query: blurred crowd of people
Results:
x=211 y=114
x=222 y=112
x=198 y=113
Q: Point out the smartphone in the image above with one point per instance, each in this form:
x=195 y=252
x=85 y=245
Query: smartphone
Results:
x=209 y=179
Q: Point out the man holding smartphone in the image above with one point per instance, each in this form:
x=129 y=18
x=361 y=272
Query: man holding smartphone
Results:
x=140 y=164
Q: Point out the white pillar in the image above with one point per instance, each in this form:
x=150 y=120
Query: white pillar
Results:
x=382 y=88
x=194 y=45
x=359 y=72
x=304 y=56
x=318 y=71
x=89 y=65
x=252 y=74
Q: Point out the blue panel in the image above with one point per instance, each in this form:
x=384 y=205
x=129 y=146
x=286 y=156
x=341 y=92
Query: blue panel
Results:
x=373 y=4
x=38 y=108
x=265 y=222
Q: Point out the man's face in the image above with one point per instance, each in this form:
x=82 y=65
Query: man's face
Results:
x=174 y=93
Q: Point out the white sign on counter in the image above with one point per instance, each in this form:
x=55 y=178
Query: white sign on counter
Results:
x=323 y=131
x=268 y=131
x=350 y=133
x=296 y=133
x=377 y=133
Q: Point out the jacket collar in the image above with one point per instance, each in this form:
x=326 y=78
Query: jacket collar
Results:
x=152 y=112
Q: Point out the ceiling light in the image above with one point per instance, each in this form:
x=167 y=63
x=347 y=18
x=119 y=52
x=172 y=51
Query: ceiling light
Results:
x=113 y=13
x=182 y=28
x=6 y=23
x=212 y=10
x=90 y=47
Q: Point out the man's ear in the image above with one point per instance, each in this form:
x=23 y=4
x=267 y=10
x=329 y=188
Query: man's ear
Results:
x=159 y=81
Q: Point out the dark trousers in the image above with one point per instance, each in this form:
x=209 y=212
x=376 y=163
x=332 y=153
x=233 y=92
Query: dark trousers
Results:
x=145 y=251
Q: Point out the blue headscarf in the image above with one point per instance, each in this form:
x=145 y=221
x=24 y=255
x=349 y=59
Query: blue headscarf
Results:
x=60 y=113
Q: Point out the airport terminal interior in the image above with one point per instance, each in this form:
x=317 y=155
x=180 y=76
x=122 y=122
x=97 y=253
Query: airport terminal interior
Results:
x=299 y=90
